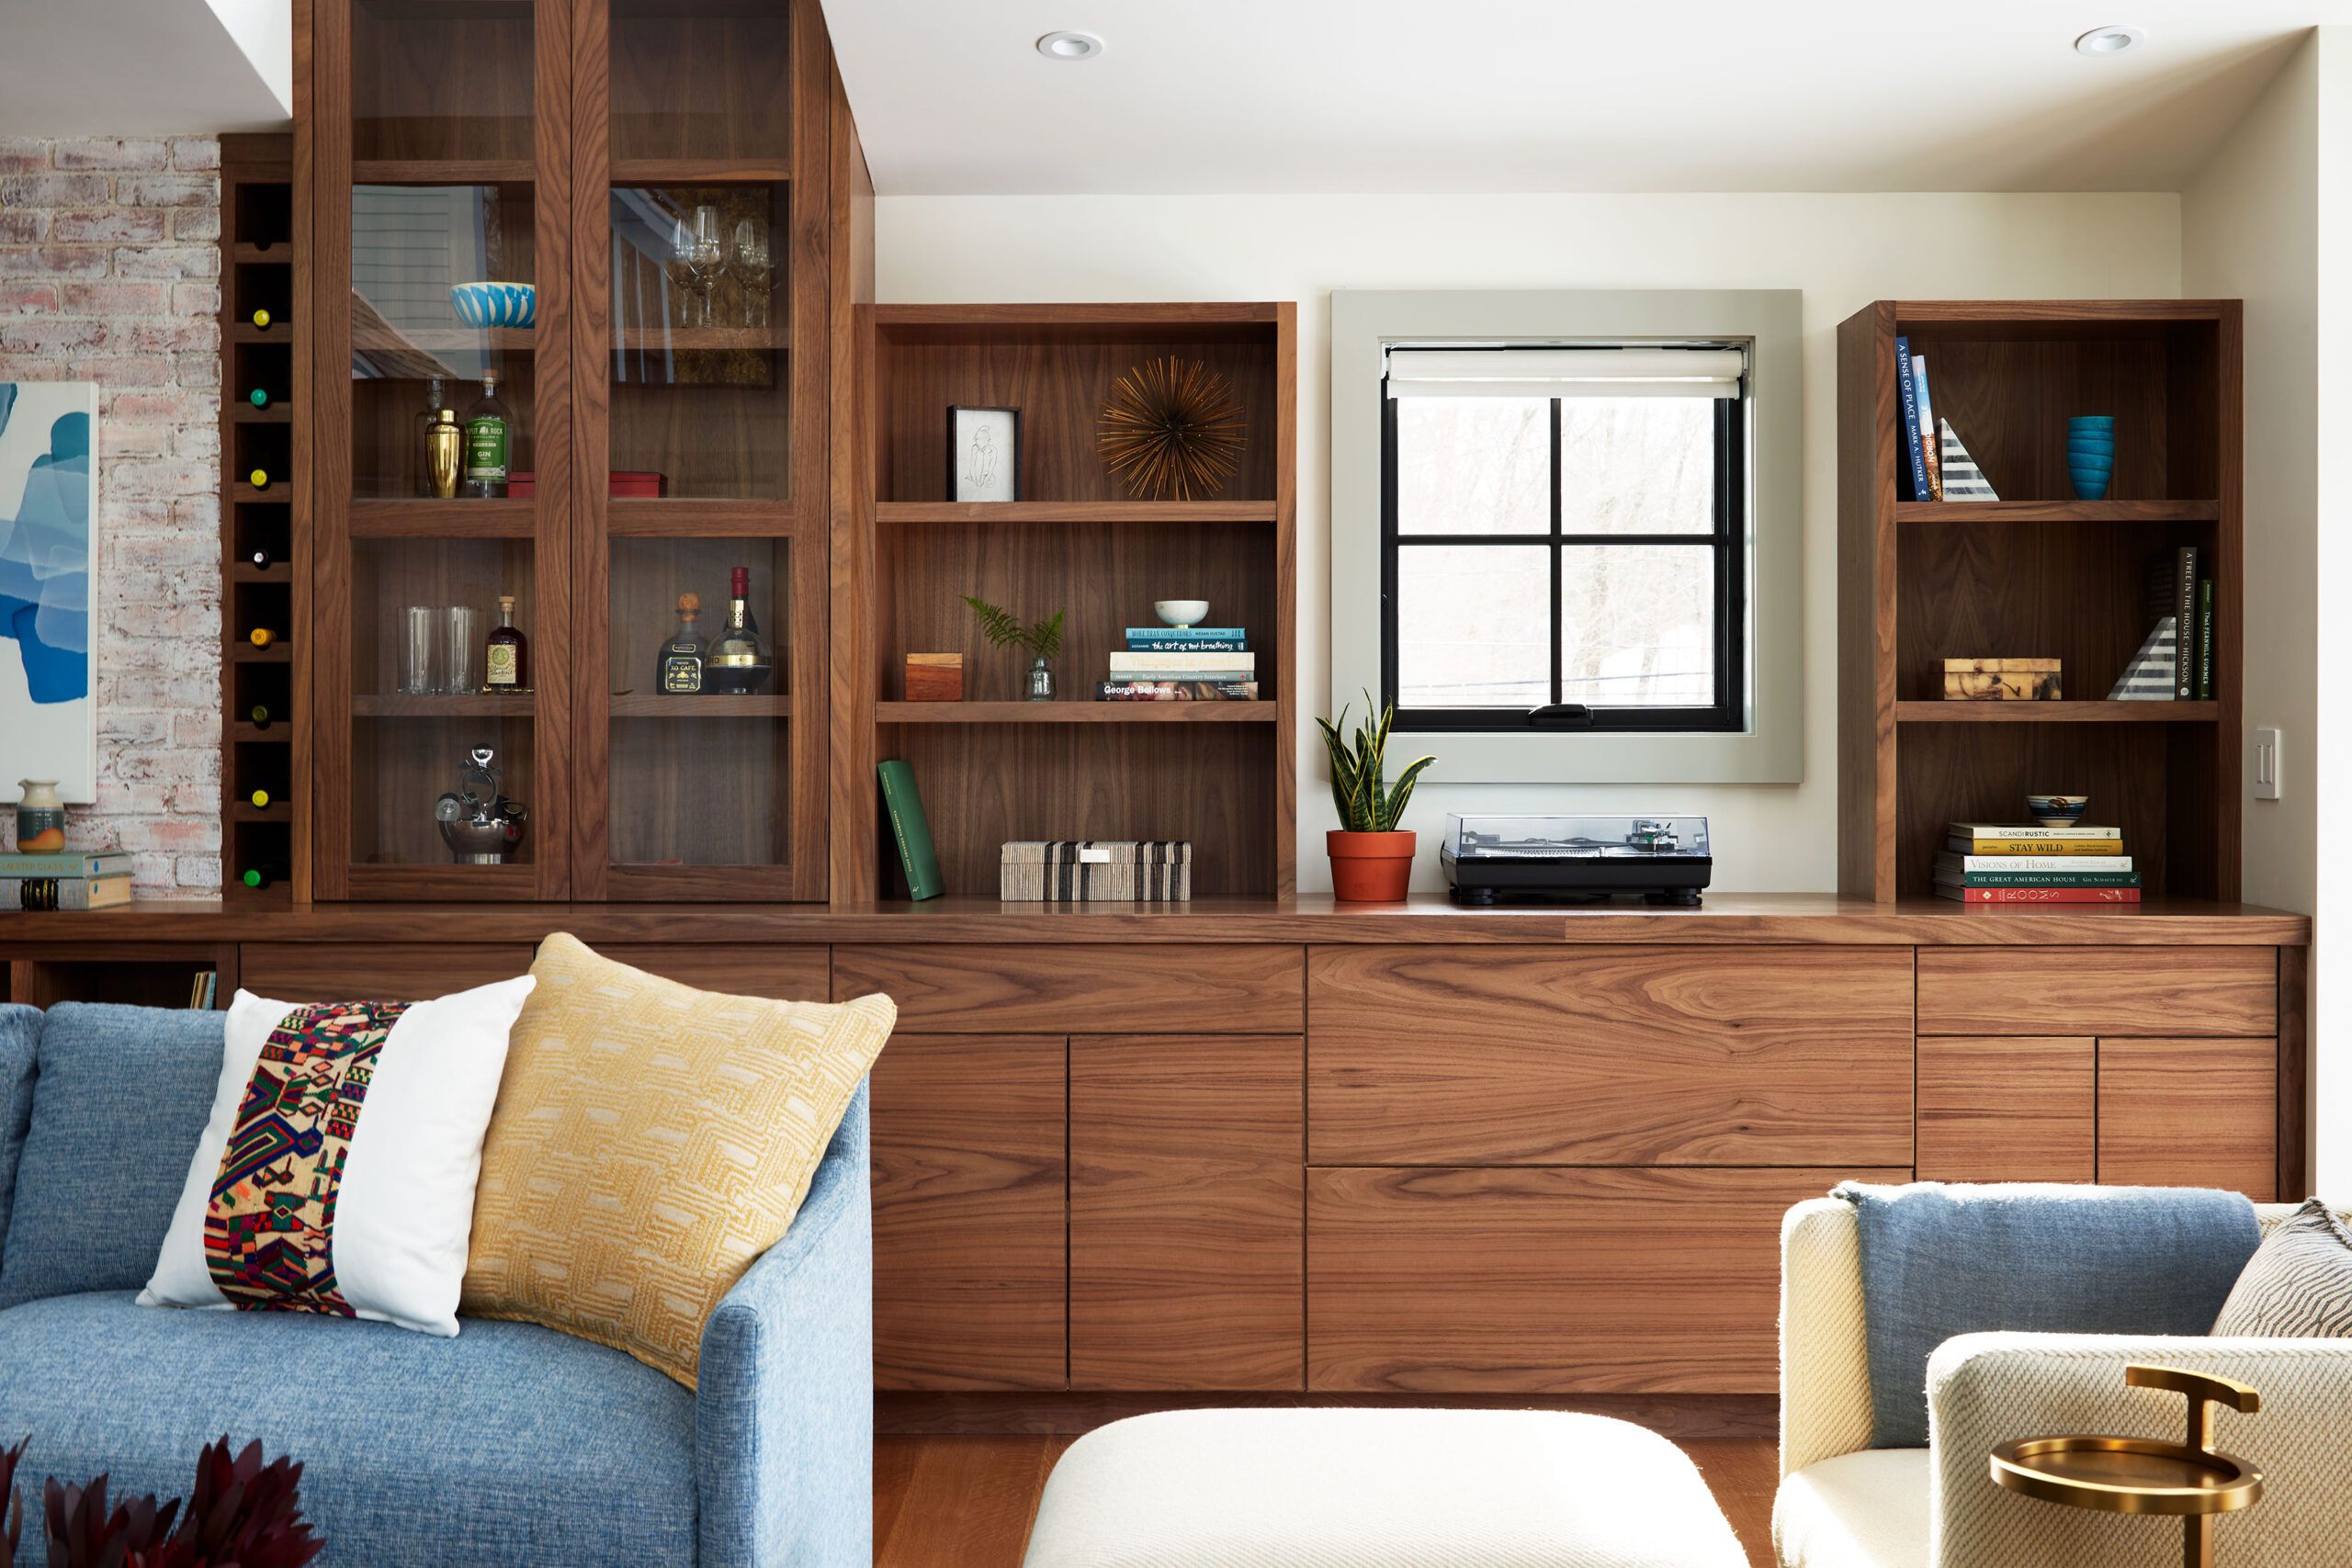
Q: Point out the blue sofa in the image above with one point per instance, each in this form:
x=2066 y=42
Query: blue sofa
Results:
x=510 y=1444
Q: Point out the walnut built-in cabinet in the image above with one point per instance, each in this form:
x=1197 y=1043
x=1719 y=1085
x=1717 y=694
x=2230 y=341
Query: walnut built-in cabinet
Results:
x=557 y=143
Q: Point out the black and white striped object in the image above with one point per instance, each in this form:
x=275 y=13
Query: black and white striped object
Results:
x=1963 y=480
x=2298 y=1285
x=2149 y=677
x=1066 y=871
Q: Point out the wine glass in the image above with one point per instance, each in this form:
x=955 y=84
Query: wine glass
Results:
x=678 y=266
x=755 y=269
x=707 y=257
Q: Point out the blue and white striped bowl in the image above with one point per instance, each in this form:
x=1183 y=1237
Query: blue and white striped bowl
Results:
x=494 y=304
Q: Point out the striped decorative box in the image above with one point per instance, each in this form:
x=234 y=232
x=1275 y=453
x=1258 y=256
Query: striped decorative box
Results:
x=1076 y=871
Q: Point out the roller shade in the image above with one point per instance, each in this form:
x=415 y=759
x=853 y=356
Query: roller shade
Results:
x=1564 y=372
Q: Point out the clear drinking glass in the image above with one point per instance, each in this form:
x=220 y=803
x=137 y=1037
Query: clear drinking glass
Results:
x=754 y=267
x=420 y=650
x=461 y=633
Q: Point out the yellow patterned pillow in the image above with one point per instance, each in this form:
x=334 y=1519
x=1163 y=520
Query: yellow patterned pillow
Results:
x=650 y=1141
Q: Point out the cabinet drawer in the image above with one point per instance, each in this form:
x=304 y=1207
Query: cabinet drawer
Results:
x=2099 y=990
x=1544 y=1055
x=781 y=974
x=1179 y=989
x=1550 y=1281
x=393 y=971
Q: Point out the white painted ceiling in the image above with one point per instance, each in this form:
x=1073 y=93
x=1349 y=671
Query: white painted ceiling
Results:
x=144 y=67
x=1417 y=95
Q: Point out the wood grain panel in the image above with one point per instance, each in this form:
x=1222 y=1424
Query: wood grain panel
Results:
x=2189 y=1113
x=375 y=971
x=2099 y=990
x=970 y=1241
x=2008 y=1110
x=1865 y=553
x=1186 y=1223
x=785 y=974
x=1639 y=1056
x=1196 y=990
x=1550 y=1281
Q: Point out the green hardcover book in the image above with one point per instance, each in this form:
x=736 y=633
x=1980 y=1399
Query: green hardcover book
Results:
x=911 y=828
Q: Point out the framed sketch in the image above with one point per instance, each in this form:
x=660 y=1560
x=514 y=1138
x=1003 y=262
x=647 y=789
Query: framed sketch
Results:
x=983 y=454
x=48 y=723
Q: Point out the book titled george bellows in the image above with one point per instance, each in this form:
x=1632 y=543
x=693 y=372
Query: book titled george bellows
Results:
x=1176 y=691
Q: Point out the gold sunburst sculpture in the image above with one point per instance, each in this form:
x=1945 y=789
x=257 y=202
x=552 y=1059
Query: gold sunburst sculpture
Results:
x=1171 y=431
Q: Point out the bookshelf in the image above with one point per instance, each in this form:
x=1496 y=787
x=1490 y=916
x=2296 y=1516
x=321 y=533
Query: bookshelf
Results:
x=262 y=267
x=2037 y=572
x=995 y=768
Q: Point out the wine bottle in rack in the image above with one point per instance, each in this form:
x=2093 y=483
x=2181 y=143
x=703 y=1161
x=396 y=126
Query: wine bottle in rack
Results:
x=259 y=479
x=261 y=637
x=260 y=559
x=261 y=319
x=258 y=397
x=259 y=800
x=261 y=716
x=259 y=877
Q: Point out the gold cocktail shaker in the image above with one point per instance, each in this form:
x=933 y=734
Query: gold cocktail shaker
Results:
x=445 y=442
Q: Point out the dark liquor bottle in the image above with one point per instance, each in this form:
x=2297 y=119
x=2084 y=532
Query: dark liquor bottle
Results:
x=737 y=660
x=261 y=715
x=678 y=667
x=507 y=670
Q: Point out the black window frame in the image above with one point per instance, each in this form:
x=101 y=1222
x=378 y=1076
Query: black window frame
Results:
x=1728 y=541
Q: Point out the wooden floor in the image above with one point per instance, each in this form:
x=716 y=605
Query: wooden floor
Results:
x=964 y=1502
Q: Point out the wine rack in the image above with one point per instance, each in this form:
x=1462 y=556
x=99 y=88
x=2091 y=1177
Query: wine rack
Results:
x=264 y=526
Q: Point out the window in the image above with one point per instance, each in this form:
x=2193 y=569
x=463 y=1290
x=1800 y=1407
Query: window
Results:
x=1564 y=537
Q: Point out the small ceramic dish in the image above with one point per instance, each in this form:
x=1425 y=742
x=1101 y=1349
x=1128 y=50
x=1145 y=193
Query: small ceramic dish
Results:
x=1182 y=613
x=485 y=305
x=2057 y=810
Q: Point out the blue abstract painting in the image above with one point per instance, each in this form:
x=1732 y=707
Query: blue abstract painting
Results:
x=48 y=663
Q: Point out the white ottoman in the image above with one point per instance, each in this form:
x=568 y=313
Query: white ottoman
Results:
x=1377 y=1488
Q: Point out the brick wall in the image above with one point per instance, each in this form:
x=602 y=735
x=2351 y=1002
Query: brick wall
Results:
x=110 y=272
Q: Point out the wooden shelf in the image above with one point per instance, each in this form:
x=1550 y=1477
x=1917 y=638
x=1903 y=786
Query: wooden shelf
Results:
x=1941 y=711
x=279 y=255
x=442 y=170
x=276 y=332
x=769 y=339
x=241 y=412
x=461 y=339
x=903 y=511
x=456 y=519
x=707 y=705
x=280 y=493
x=399 y=705
x=239 y=652
x=2057 y=511
x=274 y=576
x=700 y=171
x=1261 y=712
x=245 y=733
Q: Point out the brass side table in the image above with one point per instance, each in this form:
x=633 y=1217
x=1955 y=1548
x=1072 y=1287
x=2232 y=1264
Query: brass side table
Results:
x=2190 y=1480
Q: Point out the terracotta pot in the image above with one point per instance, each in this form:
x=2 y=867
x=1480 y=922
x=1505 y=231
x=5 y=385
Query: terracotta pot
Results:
x=1370 y=868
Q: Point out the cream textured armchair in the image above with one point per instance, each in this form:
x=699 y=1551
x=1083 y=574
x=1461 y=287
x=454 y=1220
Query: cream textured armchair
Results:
x=1844 y=1504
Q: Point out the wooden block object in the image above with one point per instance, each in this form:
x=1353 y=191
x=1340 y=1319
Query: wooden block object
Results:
x=2189 y=1113
x=970 y=1239
x=1551 y=1281
x=1186 y=1209
x=2007 y=1110
x=935 y=677
x=2099 y=990
x=1637 y=1055
x=2002 y=680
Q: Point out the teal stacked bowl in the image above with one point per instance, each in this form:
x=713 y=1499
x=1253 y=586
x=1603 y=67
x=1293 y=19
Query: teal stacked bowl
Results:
x=2090 y=453
x=483 y=305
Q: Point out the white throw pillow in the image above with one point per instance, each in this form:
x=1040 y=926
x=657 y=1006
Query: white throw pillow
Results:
x=337 y=1173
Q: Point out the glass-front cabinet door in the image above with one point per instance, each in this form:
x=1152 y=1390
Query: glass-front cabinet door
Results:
x=701 y=479
x=442 y=671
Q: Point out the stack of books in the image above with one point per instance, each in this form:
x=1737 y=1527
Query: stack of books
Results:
x=1182 y=664
x=1140 y=871
x=2001 y=863
x=72 y=880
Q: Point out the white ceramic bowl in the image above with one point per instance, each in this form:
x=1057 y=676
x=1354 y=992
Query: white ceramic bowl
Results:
x=1181 y=612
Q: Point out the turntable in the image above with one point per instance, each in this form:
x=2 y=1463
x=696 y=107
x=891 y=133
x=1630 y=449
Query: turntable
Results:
x=1569 y=858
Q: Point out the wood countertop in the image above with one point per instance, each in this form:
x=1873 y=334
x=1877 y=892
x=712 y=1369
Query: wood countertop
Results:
x=1724 y=919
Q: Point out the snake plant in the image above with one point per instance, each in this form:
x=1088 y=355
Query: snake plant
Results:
x=1366 y=801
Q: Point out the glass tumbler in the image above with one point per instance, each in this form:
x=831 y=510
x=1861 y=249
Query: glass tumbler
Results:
x=461 y=635
x=420 y=651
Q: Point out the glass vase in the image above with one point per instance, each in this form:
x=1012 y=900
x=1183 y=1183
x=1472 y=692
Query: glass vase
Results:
x=1040 y=682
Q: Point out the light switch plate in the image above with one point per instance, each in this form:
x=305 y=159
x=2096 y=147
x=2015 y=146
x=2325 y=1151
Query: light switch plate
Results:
x=2266 y=764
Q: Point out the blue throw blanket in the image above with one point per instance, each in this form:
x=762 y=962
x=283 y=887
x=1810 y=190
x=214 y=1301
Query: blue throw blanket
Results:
x=1942 y=1260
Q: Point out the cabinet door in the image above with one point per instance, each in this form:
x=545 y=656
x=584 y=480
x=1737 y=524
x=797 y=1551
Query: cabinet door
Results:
x=1186 y=1219
x=700 y=361
x=2007 y=1110
x=442 y=159
x=380 y=971
x=970 y=1260
x=2189 y=1113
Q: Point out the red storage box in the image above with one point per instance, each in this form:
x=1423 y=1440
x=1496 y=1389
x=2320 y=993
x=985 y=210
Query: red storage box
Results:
x=627 y=484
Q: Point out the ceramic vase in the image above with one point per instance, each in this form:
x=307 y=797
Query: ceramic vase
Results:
x=41 y=818
x=2090 y=453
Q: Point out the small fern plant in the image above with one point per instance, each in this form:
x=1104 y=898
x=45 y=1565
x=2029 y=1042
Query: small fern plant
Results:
x=1366 y=801
x=1004 y=629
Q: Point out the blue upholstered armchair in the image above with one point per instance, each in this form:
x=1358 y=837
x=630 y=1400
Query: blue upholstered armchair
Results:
x=510 y=1444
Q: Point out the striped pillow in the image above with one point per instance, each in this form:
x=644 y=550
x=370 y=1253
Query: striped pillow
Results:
x=2298 y=1285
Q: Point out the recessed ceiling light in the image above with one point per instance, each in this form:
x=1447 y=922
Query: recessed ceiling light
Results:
x=2099 y=42
x=1070 y=45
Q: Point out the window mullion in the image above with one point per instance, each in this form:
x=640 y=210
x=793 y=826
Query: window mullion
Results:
x=1552 y=607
